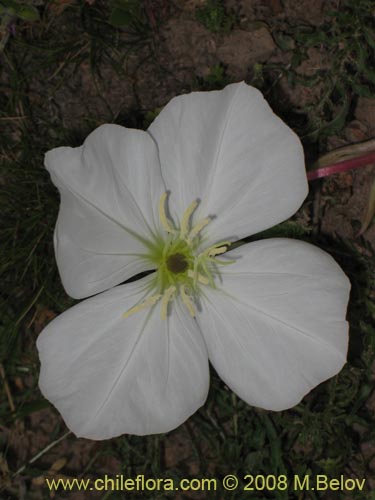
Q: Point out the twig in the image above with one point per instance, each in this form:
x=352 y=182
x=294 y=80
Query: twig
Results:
x=30 y=305
x=7 y=389
x=41 y=453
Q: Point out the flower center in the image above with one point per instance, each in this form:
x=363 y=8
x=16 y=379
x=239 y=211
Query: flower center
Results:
x=177 y=263
x=181 y=266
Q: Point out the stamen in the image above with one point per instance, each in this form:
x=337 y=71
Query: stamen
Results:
x=209 y=275
x=198 y=228
x=149 y=302
x=186 y=218
x=217 y=251
x=187 y=301
x=197 y=277
x=165 y=221
x=167 y=296
x=222 y=262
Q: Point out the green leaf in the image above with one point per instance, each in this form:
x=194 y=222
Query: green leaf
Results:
x=6 y=4
x=120 y=17
x=337 y=123
x=283 y=41
x=369 y=36
x=362 y=90
x=7 y=11
x=312 y=39
x=369 y=73
x=27 y=13
x=33 y=407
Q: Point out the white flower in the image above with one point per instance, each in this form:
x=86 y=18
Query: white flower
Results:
x=270 y=315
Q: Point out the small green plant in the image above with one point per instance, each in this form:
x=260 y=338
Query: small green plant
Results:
x=215 y=17
x=10 y=11
x=215 y=80
x=138 y=18
x=347 y=37
x=129 y=14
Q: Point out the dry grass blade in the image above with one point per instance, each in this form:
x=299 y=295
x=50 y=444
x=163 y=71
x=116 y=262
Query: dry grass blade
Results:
x=42 y=452
x=346 y=153
x=370 y=211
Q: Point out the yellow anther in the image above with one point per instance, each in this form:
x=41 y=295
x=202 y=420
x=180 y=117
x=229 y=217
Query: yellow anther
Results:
x=167 y=296
x=216 y=251
x=165 y=221
x=186 y=218
x=197 y=277
x=187 y=301
x=149 y=302
x=198 y=228
x=223 y=262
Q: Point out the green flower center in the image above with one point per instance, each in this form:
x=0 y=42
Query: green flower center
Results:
x=181 y=266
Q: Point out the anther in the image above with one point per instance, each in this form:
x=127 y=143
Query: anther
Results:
x=167 y=296
x=197 y=277
x=198 y=228
x=187 y=301
x=217 y=251
x=186 y=219
x=149 y=302
x=165 y=221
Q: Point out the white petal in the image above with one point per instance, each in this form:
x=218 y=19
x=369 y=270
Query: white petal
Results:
x=278 y=327
x=108 y=375
x=234 y=154
x=110 y=189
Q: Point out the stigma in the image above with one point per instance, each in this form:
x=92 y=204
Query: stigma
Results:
x=182 y=267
